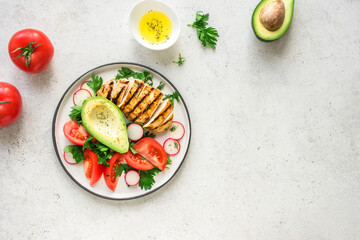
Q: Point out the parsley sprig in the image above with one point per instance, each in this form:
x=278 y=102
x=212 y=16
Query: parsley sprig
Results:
x=119 y=169
x=96 y=83
x=161 y=86
x=100 y=149
x=172 y=96
x=75 y=114
x=76 y=151
x=180 y=61
x=207 y=35
x=127 y=72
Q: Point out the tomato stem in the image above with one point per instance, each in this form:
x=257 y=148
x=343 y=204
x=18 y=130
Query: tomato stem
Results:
x=4 y=102
x=26 y=52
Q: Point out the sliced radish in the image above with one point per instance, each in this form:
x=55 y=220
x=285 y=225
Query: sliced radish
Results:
x=135 y=131
x=68 y=157
x=172 y=146
x=80 y=96
x=176 y=130
x=132 y=178
x=86 y=87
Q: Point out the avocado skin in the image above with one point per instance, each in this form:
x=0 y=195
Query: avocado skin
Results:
x=124 y=144
x=266 y=40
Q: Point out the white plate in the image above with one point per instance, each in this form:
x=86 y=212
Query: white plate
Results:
x=76 y=172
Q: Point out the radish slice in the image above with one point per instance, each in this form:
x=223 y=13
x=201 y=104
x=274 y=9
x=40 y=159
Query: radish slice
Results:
x=80 y=96
x=172 y=146
x=68 y=157
x=176 y=130
x=132 y=178
x=86 y=87
x=135 y=131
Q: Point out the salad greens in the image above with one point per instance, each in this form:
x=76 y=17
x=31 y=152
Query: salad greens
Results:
x=127 y=72
x=96 y=83
x=172 y=96
x=100 y=149
x=76 y=151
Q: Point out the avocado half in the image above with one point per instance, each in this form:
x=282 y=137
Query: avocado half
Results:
x=263 y=33
x=105 y=122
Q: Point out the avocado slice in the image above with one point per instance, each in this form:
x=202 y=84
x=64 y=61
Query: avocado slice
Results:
x=271 y=19
x=105 y=122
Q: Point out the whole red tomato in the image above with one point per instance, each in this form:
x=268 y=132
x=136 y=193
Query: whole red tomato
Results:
x=30 y=50
x=10 y=104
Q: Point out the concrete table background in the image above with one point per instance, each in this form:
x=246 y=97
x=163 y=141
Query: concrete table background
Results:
x=276 y=126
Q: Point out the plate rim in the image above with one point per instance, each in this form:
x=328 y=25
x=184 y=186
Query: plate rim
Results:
x=57 y=152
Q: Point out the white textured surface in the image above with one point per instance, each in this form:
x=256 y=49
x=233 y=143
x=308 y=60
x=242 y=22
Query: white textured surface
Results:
x=276 y=126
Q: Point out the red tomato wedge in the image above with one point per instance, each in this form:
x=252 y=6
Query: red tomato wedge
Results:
x=109 y=172
x=136 y=161
x=152 y=151
x=92 y=169
x=75 y=133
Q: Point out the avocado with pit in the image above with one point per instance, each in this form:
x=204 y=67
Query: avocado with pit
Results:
x=105 y=122
x=271 y=19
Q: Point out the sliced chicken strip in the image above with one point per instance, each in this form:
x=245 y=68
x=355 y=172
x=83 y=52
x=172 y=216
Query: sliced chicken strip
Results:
x=165 y=124
x=119 y=91
x=161 y=113
x=106 y=89
x=127 y=93
x=136 y=110
x=148 y=106
x=129 y=105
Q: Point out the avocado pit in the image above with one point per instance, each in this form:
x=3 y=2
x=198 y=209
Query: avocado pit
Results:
x=272 y=15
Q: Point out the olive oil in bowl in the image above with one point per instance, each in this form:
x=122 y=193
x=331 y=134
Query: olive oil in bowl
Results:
x=155 y=27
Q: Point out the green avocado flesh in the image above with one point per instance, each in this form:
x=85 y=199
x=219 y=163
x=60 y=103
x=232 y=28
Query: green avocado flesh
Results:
x=105 y=122
x=264 y=34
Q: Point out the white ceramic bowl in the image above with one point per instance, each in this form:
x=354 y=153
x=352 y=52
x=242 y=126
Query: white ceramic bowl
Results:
x=142 y=7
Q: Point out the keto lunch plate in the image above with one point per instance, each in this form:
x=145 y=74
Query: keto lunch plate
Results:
x=122 y=191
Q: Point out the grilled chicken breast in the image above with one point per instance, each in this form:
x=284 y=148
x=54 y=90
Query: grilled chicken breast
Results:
x=119 y=91
x=165 y=124
x=132 y=100
x=106 y=89
x=139 y=102
x=161 y=113
x=148 y=106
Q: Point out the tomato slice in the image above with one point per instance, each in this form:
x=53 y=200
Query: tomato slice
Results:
x=152 y=151
x=92 y=169
x=109 y=172
x=75 y=132
x=136 y=161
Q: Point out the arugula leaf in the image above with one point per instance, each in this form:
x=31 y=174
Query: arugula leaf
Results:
x=100 y=149
x=127 y=72
x=147 y=178
x=76 y=151
x=95 y=83
x=75 y=114
x=172 y=96
x=119 y=169
x=161 y=86
x=207 y=35
x=180 y=61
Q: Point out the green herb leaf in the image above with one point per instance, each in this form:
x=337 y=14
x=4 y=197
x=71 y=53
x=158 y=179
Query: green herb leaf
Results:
x=119 y=169
x=168 y=161
x=161 y=86
x=75 y=114
x=100 y=149
x=96 y=83
x=149 y=134
x=127 y=72
x=124 y=73
x=172 y=96
x=207 y=35
x=173 y=128
x=76 y=151
x=147 y=178
x=180 y=61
